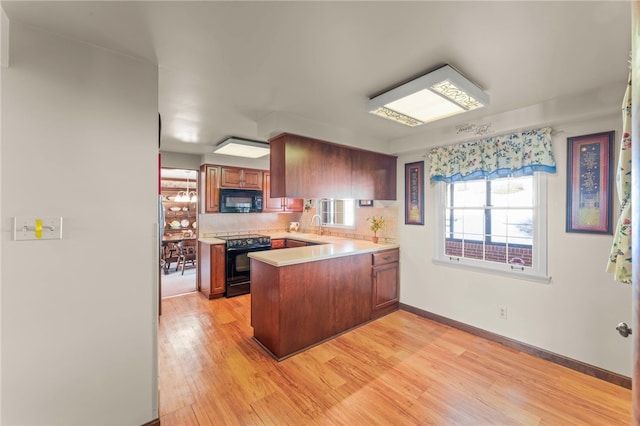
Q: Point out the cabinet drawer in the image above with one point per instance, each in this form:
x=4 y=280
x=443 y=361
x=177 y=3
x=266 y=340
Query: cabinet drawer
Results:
x=387 y=256
x=277 y=244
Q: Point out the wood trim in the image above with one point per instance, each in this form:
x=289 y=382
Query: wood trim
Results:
x=154 y=422
x=573 y=364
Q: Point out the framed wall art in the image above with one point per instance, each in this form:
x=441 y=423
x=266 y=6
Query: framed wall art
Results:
x=365 y=203
x=414 y=193
x=589 y=181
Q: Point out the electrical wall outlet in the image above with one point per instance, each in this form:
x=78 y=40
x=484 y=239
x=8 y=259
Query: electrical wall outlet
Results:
x=502 y=312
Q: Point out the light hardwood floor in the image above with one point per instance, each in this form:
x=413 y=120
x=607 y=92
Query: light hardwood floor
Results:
x=398 y=370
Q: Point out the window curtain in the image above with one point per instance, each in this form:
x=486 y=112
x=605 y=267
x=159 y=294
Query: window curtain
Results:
x=620 y=258
x=515 y=154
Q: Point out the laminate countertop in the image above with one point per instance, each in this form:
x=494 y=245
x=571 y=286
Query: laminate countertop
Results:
x=211 y=240
x=327 y=247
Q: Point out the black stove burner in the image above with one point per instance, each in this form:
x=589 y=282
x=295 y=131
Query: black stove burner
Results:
x=246 y=241
x=241 y=236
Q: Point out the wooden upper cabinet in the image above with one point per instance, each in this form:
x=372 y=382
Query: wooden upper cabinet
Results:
x=234 y=177
x=279 y=204
x=293 y=204
x=270 y=204
x=373 y=176
x=303 y=167
x=209 y=189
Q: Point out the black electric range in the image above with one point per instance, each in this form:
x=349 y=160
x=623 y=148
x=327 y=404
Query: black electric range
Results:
x=237 y=262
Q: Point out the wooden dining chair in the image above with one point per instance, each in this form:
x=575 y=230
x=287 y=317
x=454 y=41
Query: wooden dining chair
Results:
x=170 y=254
x=186 y=254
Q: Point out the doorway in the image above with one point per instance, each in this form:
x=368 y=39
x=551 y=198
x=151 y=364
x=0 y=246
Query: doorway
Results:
x=179 y=189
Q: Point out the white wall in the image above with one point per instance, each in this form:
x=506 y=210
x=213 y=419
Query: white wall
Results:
x=79 y=315
x=278 y=122
x=574 y=316
x=261 y=163
x=4 y=62
x=175 y=160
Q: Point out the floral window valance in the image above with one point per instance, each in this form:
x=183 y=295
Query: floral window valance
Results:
x=515 y=154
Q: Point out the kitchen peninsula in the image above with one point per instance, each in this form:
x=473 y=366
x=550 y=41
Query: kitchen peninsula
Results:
x=305 y=295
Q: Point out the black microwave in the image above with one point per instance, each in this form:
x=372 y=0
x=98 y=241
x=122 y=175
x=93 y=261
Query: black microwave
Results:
x=240 y=200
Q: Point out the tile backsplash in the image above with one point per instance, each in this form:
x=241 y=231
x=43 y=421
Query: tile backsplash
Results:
x=243 y=223
x=210 y=225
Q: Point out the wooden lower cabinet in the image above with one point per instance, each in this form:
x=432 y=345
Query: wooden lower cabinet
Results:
x=211 y=269
x=277 y=243
x=295 y=243
x=384 y=282
x=280 y=243
x=297 y=306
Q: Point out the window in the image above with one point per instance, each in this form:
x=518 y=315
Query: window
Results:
x=498 y=225
x=337 y=213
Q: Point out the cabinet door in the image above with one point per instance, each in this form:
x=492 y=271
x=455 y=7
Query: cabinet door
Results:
x=234 y=177
x=203 y=267
x=385 y=288
x=373 y=176
x=293 y=205
x=230 y=177
x=277 y=244
x=210 y=190
x=211 y=272
x=295 y=243
x=218 y=275
x=270 y=204
x=302 y=167
x=251 y=179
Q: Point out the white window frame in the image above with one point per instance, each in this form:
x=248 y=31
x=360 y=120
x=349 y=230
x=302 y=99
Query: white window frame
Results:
x=349 y=213
x=537 y=272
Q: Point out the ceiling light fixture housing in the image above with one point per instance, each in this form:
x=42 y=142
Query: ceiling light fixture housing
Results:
x=242 y=147
x=433 y=96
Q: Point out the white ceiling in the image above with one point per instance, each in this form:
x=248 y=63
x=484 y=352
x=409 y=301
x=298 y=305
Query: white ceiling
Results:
x=251 y=69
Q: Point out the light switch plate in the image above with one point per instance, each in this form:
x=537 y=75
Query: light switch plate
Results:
x=37 y=228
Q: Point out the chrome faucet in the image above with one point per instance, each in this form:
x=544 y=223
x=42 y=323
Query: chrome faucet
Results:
x=319 y=221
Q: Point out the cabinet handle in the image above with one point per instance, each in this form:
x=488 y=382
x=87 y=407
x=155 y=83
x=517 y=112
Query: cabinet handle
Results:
x=386 y=257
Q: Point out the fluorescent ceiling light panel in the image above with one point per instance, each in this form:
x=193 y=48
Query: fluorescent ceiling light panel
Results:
x=242 y=148
x=439 y=94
